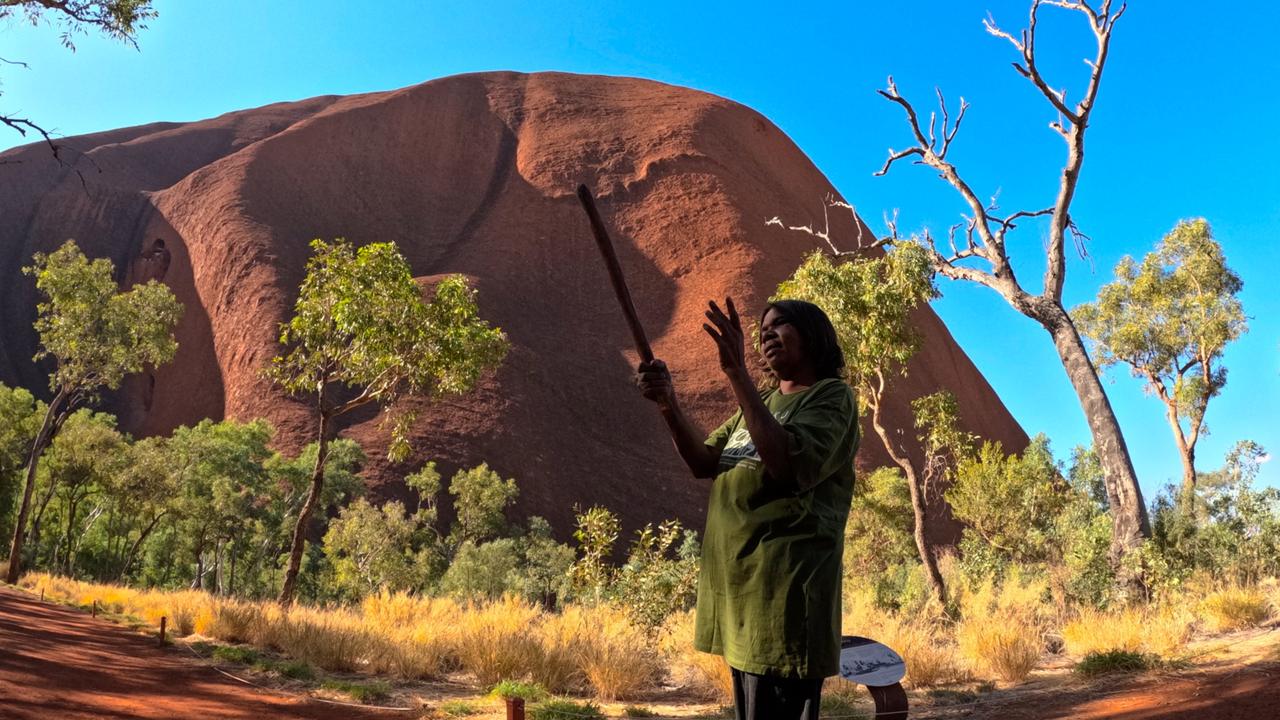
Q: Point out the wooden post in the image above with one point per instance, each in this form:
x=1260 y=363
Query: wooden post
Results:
x=515 y=708
x=94 y=612
x=41 y=594
x=163 y=619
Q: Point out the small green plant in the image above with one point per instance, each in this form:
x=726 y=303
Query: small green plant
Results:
x=202 y=647
x=529 y=692
x=637 y=711
x=360 y=692
x=840 y=705
x=1111 y=661
x=459 y=708
x=292 y=669
x=564 y=710
x=235 y=654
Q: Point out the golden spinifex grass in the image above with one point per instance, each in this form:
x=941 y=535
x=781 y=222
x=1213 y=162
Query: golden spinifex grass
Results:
x=1235 y=607
x=1001 y=633
x=1163 y=631
x=583 y=648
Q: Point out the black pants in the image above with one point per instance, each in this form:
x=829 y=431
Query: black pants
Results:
x=769 y=697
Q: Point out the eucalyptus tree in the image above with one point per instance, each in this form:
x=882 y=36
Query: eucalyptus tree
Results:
x=1170 y=319
x=20 y=414
x=94 y=334
x=362 y=333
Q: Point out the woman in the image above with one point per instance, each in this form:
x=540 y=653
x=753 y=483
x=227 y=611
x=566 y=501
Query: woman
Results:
x=769 y=590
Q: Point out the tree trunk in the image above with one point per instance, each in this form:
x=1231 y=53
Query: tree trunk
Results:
x=43 y=438
x=917 y=506
x=304 y=517
x=1129 y=524
x=133 y=549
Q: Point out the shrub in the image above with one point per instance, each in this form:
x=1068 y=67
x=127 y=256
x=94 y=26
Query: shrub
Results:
x=459 y=708
x=331 y=640
x=561 y=637
x=529 y=692
x=1161 y=631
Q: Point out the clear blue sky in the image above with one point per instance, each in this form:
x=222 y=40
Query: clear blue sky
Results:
x=1184 y=127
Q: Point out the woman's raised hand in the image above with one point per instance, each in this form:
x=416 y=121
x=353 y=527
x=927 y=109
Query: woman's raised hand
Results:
x=727 y=335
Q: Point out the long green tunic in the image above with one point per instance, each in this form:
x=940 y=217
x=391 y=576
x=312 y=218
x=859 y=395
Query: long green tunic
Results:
x=769 y=589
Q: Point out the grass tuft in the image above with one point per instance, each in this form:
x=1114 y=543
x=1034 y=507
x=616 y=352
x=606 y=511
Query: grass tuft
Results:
x=1113 y=661
x=1235 y=608
x=362 y=692
x=529 y=692
x=564 y=710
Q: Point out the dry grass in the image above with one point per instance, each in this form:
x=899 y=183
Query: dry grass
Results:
x=1002 y=634
x=417 y=637
x=1235 y=608
x=1162 y=631
x=616 y=656
x=499 y=640
x=921 y=637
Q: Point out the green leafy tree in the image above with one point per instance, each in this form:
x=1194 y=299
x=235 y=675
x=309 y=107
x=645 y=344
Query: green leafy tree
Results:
x=145 y=494
x=480 y=501
x=20 y=414
x=1170 y=319
x=94 y=335
x=870 y=301
x=79 y=467
x=361 y=333
x=487 y=569
x=544 y=575
x=372 y=548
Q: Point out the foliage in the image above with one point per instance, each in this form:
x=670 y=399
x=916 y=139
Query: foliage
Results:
x=487 y=570
x=659 y=577
x=481 y=498
x=591 y=574
x=362 y=692
x=20 y=414
x=870 y=302
x=1170 y=320
x=878 y=547
x=371 y=548
x=360 y=322
x=94 y=333
x=1008 y=504
x=527 y=691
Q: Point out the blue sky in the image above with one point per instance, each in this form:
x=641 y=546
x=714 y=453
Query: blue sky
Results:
x=1183 y=128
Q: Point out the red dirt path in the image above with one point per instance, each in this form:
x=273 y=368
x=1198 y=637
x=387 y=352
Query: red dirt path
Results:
x=56 y=662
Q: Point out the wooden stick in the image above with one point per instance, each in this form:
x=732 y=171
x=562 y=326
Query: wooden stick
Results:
x=615 y=274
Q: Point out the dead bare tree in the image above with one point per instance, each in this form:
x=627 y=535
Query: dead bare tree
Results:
x=984 y=240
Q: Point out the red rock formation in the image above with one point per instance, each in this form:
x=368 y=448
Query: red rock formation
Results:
x=471 y=174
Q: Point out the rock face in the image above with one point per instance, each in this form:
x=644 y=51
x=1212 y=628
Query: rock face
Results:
x=471 y=174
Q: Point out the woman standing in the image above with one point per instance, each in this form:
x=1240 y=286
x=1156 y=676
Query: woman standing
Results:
x=769 y=589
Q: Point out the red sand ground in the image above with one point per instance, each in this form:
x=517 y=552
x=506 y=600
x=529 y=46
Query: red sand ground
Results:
x=56 y=662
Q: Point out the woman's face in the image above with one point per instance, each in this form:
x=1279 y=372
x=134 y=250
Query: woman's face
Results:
x=781 y=345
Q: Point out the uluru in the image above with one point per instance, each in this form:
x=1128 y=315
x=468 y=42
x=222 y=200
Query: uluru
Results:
x=472 y=174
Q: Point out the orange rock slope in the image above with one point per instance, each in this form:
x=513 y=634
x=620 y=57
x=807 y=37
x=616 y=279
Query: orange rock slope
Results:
x=471 y=174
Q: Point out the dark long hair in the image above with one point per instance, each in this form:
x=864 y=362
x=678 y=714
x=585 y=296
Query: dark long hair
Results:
x=820 y=345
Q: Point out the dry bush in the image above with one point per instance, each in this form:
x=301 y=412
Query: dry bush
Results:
x=702 y=674
x=499 y=640
x=617 y=656
x=236 y=621
x=1234 y=608
x=1002 y=634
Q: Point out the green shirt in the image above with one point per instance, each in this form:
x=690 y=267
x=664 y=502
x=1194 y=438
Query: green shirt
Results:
x=769 y=589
